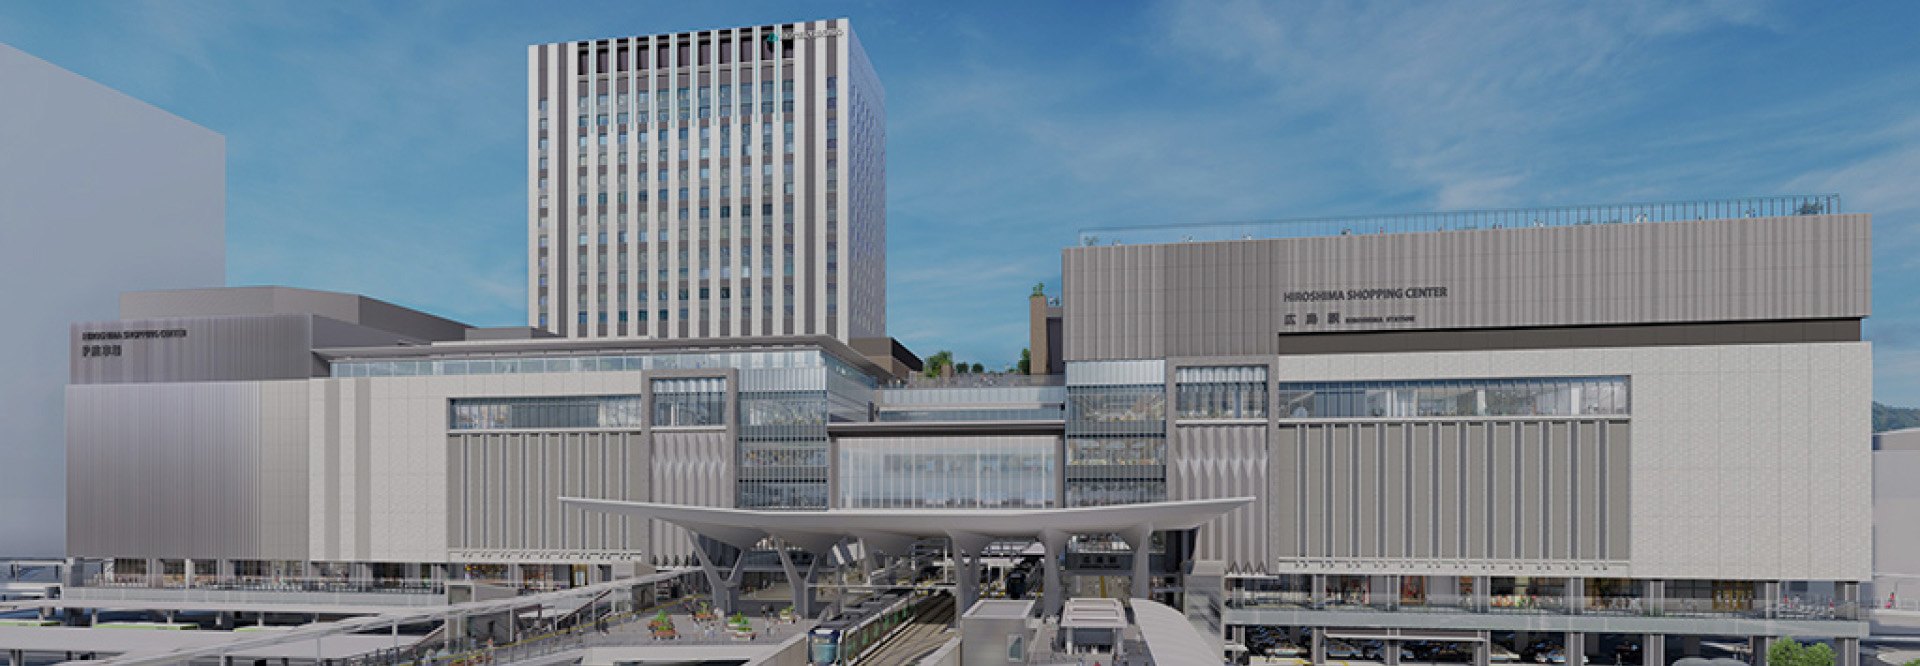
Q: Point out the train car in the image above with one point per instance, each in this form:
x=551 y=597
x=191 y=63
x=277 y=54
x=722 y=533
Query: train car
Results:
x=842 y=639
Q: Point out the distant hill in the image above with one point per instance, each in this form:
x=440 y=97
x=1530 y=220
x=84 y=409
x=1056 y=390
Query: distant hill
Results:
x=1888 y=417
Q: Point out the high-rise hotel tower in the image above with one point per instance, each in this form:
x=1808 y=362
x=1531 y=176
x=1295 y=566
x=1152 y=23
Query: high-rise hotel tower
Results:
x=716 y=183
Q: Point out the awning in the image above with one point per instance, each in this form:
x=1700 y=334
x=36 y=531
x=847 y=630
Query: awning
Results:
x=818 y=531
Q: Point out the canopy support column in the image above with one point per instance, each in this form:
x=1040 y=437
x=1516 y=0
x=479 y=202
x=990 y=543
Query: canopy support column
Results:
x=1140 y=538
x=1052 y=590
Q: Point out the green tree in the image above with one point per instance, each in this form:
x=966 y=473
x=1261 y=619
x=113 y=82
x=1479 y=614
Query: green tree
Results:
x=1025 y=366
x=1889 y=417
x=1789 y=652
x=939 y=360
x=978 y=368
x=1039 y=288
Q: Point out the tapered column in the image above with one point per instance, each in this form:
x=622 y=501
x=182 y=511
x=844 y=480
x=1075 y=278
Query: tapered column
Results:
x=1052 y=595
x=1140 y=538
x=966 y=550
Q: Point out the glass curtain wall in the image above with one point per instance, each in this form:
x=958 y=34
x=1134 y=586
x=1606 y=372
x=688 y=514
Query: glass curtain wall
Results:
x=1014 y=472
x=612 y=411
x=1564 y=396
x=1238 y=392
x=1116 y=444
x=783 y=449
x=695 y=401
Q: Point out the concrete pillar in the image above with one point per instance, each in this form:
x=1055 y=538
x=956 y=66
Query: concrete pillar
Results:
x=187 y=569
x=1576 y=596
x=153 y=572
x=1482 y=589
x=1847 y=607
x=1318 y=595
x=456 y=630
x=1317 y=653
x=1142 y=562
x=1575 y=643
x=16 y=658
x=724 y=597
x=968 y=578
x=797 y=585
x=1391 y=652
x=1770 y=598
x=1052 y=594
x=1482 y=649
x=1392 y=598
x=1847 y=650
x=1759 y=645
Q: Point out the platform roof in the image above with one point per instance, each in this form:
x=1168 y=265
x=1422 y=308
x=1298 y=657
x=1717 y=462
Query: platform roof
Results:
x=819 y=531
x=1094 y=614
x=1169 y=637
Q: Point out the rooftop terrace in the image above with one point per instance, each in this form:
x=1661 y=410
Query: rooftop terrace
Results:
x=1468 y=220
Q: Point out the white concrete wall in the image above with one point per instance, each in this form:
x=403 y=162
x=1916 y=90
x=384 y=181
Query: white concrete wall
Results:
x=100 y=193
x=1749 y=461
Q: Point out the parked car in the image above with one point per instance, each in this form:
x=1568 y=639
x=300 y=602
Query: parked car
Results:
x=1342 y=650
x=1377 y=651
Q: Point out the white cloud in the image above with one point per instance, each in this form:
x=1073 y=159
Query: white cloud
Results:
x=1455 y=98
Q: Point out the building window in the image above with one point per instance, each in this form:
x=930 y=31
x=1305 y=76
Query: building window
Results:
x=1572 y=396
x=617 y=411
x=1221 y=392
x=689 y=402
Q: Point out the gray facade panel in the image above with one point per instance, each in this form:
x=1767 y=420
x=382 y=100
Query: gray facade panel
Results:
x=1443 y=493
x=1478 y=484
x=1285 y=485
x=1619 y=472
x=1504 y=491
x=503 y=502
x=1532 y=479
x=1559 y=523
x=203 y=471
x=1395 y=499
x=1586 y=492
x=1425 y=494
x=1448 y=481
x=192 y=350
x=1232 y=298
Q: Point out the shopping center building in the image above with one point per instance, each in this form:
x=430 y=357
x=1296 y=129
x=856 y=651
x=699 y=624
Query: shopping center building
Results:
x=1646 y=420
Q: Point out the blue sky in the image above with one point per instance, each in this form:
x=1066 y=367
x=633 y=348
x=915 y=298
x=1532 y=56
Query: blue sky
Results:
x=379 y=147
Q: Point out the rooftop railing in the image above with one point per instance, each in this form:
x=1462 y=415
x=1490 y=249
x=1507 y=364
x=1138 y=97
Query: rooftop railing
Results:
x=1470 y=220
x=980 y=380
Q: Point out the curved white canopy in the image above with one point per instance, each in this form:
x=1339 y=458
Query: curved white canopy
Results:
x=817 y=531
